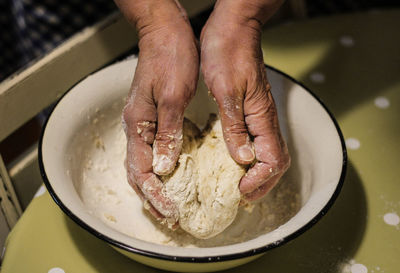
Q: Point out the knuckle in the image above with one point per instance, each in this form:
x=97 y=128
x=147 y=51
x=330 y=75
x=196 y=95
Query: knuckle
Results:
x=274 y=165
x=231 y=104
x=133 y=178
x=171 y=98
x=167 y=142
x=175 y=100
x=164 y=136
x=127 y=115
x=258 y=103
x=269 y=160
x=134 y=119
x=226 y=96
x=222 y=86
x=280 y=162
x=236 y=128
x=146 y=130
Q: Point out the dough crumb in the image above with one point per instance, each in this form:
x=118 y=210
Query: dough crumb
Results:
x=249 y=207
x=110 y=218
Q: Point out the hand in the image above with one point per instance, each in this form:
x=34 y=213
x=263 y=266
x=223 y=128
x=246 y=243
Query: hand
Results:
x=234 y=71
x=165 y=80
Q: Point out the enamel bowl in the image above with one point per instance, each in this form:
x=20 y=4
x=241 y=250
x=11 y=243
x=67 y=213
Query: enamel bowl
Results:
x=76 y=144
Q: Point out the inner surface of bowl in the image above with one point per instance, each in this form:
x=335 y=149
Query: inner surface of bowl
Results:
x=83 y=151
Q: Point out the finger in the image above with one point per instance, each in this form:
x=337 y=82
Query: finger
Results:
x=168 y=142
x=255 y=177
x=152 y=189
x=143 y=181
x=146 y=203
x=230 y=102
x=172 y=224
x=139 y=116
x=150 y=208
x=271 y=152
x=263 y=189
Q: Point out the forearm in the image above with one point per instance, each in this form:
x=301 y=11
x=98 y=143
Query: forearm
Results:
x=147 y=15
x=254 y=12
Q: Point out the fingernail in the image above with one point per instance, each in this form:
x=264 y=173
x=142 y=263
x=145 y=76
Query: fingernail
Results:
x=162 y=164
x=246 y=153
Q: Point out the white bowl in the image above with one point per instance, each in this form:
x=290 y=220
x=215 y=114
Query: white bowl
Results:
x=314 y=138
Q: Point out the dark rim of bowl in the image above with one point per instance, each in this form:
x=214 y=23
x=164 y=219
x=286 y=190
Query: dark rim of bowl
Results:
x=205 y=259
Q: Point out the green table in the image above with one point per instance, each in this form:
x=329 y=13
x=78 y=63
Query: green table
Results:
x=352 y=62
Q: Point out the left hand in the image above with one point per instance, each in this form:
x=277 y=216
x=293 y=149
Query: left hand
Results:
x=234 y=71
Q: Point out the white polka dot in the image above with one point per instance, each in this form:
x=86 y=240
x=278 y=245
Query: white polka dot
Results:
x=40 y=191
x=382 y=102
x=353 y=143
x=317 y=77
x=56 y=270
x=346 y=41
x=359 y=268
x=391 y=219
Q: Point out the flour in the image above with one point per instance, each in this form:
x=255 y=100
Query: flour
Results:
x=97 y=168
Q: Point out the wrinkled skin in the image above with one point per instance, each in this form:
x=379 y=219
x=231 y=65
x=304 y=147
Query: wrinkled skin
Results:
x=165 y=80
x=234 y=71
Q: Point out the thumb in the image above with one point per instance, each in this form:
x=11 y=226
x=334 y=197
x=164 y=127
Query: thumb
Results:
x=271 y=151
x=233 y=125
x=168 y=141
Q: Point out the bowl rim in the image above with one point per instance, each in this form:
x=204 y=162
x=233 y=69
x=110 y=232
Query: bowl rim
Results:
x=203 y=259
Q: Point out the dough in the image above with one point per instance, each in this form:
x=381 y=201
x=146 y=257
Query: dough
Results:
x=205 y=183
x=100 y=179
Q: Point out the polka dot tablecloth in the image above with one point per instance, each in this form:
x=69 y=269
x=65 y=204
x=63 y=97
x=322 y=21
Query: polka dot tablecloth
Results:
x=352 y=62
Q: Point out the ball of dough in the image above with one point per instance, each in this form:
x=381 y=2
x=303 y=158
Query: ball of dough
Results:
x=205 y=183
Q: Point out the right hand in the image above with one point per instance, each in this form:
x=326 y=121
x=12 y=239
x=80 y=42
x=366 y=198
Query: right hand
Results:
x=165 y=80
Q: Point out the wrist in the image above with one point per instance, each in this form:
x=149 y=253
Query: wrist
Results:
x=150 y=15
x=253 y=13
x=227 y=29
